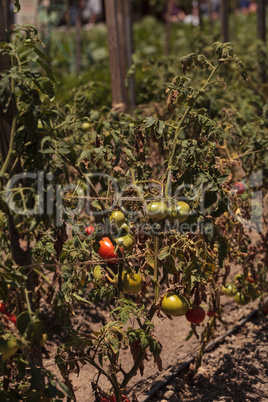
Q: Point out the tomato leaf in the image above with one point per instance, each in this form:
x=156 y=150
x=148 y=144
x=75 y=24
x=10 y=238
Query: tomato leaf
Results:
x=23 y=321
x=81 y=299
x=164 y=252
x=149 y=258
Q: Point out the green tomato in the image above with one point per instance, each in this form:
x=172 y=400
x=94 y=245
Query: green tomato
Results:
x=132 y=283
x=8 y=348
x=252 y=291
x=229 y=290
x=123 y=230
x=126 y=242
x=43 y=340
x=241 y=299
x=179 y=212
x=117 y=218
x=97 y=272
x=86 y=126
x=157 y=210
x=42 y=127
x=2 y=221
x=240 y=278
x=174 y=304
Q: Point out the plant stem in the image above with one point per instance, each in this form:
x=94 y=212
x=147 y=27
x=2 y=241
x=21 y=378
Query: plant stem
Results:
x=91 y=185
x=12 y=137
x=112 y=380
x=134 y=369
x=185 y=114
x=28 y=304
x=167 y=186
x=208 y=333
x=42 y=276
x=156 y=283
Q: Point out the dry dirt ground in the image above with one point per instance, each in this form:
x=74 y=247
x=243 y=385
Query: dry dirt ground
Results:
x=235 y=370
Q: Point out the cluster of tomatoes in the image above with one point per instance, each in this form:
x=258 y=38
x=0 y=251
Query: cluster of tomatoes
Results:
x=8 y=347
x=174 y=304
x=6 y=315
x=123 y=239
x=177 y=212
x=132 y=283
x=242 y=289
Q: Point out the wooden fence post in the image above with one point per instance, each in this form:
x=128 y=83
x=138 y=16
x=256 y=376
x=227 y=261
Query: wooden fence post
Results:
x=129 y=49
x=224 y=20
x=78 y=37
x=261 y=31
x=170 y=4
x=200 y=15
x=261 y=19
x=120 y=48
x=114 y=54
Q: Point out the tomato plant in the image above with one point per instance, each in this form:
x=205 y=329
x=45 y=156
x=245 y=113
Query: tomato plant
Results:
x=2 y=307
x=174 y=304
x=137 y=160
x=196 y=315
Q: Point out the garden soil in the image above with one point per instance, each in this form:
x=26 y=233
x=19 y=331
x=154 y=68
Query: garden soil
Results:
x=235 y=370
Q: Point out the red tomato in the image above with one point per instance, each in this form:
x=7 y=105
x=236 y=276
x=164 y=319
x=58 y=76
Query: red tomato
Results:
x=89 y=230
x=124 y=399
x=11 y=317
x=211 y=313
x=250 y=278
x=265 y=306
x=106 y=251
x=2 y=307
x=196 y=315
x=239 y=187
